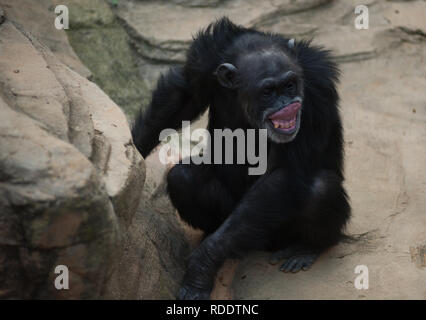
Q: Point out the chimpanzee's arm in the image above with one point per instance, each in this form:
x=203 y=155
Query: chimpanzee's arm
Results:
x=172 y=102
x=275 y=199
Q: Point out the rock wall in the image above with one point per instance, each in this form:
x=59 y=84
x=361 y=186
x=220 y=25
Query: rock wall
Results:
x=104 y=46
x=38 y=16
x=70 y=186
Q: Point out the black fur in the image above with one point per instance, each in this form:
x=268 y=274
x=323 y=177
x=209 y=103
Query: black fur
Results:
x=298 y=201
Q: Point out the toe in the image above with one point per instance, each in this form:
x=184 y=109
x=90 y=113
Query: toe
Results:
x=298 y=266
x=297 y=263
x=288 y=265
x=181 y=293
x=190 y=293
x=283 y=254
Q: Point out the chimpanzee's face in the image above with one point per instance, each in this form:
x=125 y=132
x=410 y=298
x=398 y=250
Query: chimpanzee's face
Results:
x=271 y=92
x=269 y=86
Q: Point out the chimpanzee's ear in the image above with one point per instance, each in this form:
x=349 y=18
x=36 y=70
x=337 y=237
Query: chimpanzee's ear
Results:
x=290 y=44
x=226 y=74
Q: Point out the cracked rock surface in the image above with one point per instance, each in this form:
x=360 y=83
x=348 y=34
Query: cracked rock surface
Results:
x=70 y=184
x=56 y=207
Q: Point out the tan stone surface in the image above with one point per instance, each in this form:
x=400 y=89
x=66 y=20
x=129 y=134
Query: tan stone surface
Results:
x=59 y=199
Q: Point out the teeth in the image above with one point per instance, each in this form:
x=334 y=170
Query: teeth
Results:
x=285 y=125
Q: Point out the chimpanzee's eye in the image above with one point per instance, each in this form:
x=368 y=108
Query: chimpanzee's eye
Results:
x=290 y=87
x=267 y=91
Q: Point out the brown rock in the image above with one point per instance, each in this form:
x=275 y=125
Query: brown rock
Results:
x=38 y=17
x=60 y=202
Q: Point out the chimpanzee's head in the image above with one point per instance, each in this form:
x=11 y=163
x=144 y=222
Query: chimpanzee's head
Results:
x=268 y=84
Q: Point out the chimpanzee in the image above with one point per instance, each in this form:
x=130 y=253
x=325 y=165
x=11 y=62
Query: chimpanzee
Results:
x=254 y=80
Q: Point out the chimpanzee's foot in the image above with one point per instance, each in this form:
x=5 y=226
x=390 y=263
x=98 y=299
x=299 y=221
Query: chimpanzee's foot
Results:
x=297 y=258
x=288 y=252
x=300 y=262
x=187 y=292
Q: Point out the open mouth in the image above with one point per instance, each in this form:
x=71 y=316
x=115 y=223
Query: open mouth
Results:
x=285 y=119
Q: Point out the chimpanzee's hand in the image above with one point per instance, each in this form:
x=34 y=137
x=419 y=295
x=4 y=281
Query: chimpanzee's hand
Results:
x=200 y=273
x=188 y=292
